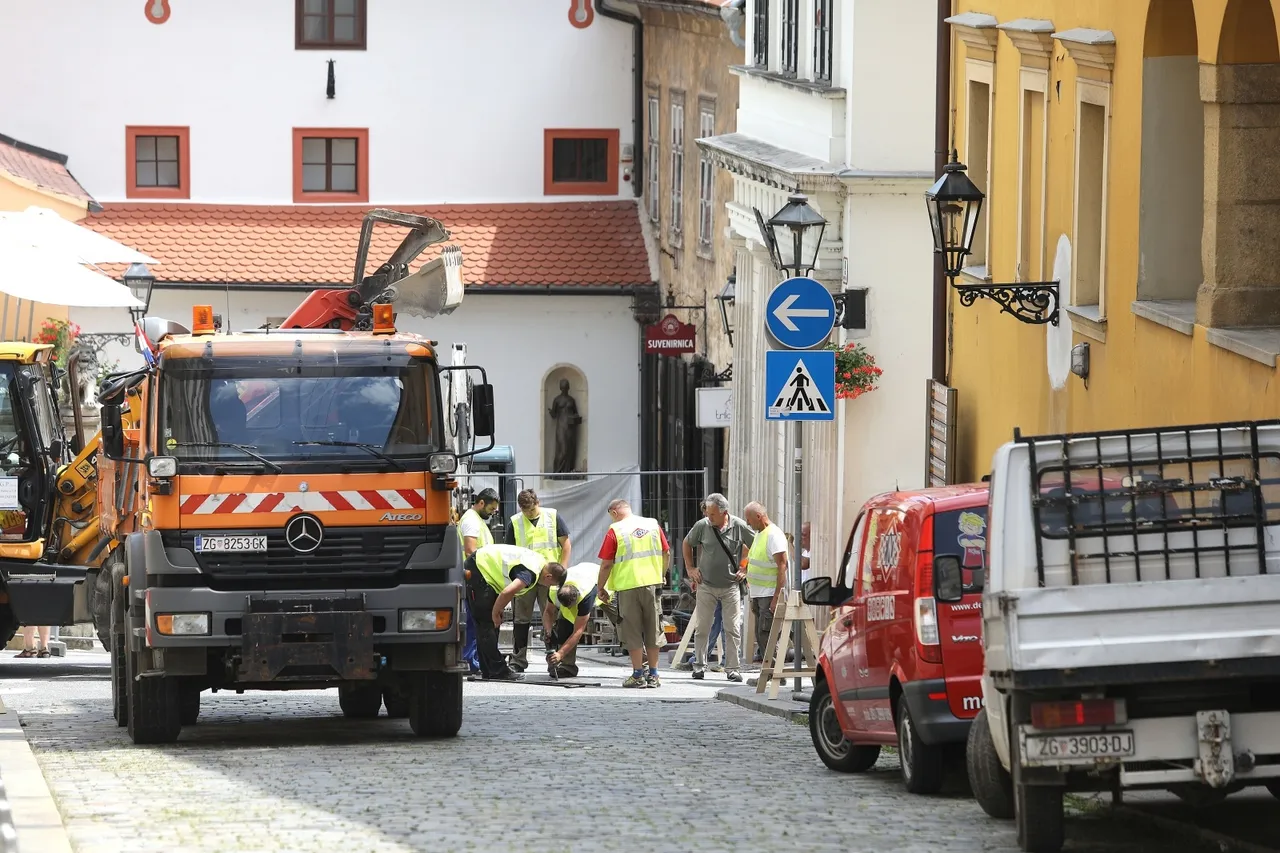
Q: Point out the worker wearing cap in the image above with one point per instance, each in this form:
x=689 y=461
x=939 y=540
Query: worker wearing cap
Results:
x=573 y=597
x=540 y=529
x=496 y=575
x=473 y=528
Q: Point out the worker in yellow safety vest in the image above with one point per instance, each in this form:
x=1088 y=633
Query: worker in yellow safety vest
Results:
x=473 y=529
x=540 y=529
x=767 y=566
x=634 y=561
x=496 y=575
x=564 y=619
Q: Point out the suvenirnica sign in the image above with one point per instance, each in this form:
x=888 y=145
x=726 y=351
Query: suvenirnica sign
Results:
x=669 y=336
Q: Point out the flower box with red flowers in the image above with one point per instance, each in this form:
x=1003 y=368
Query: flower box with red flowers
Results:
x=856 y=371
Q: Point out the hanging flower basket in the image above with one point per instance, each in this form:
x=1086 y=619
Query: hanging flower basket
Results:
x=856 y=371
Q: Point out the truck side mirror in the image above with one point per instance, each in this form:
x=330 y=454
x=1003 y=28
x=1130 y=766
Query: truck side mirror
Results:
x=820 y=592
x=948 y=579
x=482 y=410
x=112 y=431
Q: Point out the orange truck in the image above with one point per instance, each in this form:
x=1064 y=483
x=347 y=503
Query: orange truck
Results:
x=280 y=503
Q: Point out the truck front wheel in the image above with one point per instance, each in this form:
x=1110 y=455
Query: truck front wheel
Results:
x=155 y=706
x=397 y=701
x=190 y=698
x=119 y=665
x=360 y=701
x=435 y=704
x=991 y=783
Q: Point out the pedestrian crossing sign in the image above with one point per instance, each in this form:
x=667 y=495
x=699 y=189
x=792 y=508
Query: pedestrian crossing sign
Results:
x=799 y=385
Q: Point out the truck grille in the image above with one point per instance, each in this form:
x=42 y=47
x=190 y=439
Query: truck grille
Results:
x=351 y=555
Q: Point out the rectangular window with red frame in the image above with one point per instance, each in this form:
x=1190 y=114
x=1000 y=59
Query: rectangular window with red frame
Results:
x=330 y=165
x=580 y=162
x=157 y=162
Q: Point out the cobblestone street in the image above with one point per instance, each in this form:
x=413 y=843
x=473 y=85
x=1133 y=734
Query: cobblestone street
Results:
x=534 y=769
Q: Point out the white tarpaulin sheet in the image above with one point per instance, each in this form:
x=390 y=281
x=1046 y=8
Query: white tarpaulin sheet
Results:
x=584 y=506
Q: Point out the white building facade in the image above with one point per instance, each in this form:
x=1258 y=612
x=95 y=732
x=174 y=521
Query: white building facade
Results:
x=836 y=102
x=240 y=142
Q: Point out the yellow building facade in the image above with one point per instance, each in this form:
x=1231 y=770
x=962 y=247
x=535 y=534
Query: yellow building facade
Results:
x=1130 y=151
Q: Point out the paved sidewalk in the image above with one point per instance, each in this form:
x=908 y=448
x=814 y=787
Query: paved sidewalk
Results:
x=35 y=814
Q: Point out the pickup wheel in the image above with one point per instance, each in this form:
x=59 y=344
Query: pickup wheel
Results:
x=397 y=701
x=435 y=704
x=921 y=764
x=832 y=746
x=991 y=783
x=190 y=702
x=360 y=701
x=154 y=706
x=1038 y=809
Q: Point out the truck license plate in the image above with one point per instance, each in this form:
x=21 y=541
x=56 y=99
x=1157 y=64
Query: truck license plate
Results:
x=231 y=544
x=1078 y=748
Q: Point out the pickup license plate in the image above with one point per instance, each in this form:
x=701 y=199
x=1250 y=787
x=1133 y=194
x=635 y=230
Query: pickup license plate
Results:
x=231 y=544
x=1084 y=748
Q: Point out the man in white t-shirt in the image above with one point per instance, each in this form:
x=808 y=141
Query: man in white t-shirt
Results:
x=805 y=572
x=473 y=529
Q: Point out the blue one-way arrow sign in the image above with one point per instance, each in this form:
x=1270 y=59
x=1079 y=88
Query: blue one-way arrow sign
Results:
x=799 y=386
x=800 y=314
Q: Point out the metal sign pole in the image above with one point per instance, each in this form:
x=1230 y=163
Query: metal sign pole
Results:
x=796 y=547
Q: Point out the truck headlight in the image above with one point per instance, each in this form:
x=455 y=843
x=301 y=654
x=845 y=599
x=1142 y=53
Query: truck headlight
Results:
x=182 y=624
x=443 y=463
x=162 y=467
x=425 y=620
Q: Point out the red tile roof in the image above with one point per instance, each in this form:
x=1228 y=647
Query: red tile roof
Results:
x=565 y=243
x=46 y=169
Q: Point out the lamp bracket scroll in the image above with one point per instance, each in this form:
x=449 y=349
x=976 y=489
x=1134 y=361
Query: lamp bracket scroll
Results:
x=1034 y=302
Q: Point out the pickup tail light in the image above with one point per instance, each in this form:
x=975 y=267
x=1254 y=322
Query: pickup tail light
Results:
x=1078 y=714
x=925 y=611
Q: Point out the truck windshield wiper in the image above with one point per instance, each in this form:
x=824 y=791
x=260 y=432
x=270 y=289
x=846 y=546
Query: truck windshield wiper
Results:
x=363 y=446
x=246 y=449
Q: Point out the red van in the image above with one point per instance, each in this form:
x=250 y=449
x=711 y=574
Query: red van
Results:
x=900 y=663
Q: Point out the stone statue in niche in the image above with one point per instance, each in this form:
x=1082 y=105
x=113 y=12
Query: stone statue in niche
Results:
x=564 y=413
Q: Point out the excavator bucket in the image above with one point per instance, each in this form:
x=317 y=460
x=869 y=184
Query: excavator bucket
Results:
x=434 y=290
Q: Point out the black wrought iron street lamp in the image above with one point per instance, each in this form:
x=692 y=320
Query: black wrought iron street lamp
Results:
x=726 y=297
x=140 y=282
x=955 y=204
x=794 y=220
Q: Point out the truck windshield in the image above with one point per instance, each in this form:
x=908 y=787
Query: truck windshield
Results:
x=302 y=415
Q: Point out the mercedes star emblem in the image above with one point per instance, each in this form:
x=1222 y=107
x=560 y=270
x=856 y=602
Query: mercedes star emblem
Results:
x=304 y=533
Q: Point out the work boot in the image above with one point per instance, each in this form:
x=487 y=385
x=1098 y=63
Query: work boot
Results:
x=698 y=674
x=734 y=675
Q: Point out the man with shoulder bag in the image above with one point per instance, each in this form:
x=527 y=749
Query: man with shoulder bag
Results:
x=723 y=541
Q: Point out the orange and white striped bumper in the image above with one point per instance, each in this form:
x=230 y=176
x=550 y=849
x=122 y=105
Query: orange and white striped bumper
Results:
x=289 y=502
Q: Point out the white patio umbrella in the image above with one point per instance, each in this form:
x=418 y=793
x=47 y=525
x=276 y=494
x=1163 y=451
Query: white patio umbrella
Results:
x=56 y=278
x=41 y=228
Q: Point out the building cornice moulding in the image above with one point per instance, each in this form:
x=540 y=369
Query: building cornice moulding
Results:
x=770 y=165
x=977 y=30
x=1033 y=37
x=1090 y=48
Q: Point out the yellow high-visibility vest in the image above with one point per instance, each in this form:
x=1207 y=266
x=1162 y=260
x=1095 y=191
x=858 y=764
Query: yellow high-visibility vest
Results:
x=495 y=563
x=762 y=571
x=638 y=561
x=584 y=577
x=540 y=537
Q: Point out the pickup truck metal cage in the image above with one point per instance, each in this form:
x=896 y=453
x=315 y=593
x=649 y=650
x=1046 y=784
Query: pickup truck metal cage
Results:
x=1175 y=498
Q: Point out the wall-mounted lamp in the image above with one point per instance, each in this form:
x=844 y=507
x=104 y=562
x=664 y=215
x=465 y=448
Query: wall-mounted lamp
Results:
x=726 y=297
x=331 y=87
x=1080 y=361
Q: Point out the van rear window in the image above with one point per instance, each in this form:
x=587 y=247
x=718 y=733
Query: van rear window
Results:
x=963 y=533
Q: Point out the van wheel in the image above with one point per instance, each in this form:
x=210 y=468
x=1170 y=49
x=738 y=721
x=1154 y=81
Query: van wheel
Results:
x=435 y=704
x=921 y=764
x=360 y=701
x=991 y=783
x=1038 y=810
x=828 y=739
x=155 y=712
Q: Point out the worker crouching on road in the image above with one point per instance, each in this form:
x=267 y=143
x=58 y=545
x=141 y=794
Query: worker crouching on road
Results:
x=495 y=575
x=573 y=597
x=634 y=560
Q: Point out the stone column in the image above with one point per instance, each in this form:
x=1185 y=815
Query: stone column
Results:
x=1241 y=196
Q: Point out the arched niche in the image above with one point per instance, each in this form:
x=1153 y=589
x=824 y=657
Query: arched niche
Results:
x=550 y=395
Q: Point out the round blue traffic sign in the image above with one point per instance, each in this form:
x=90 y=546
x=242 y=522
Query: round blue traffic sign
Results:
x=800 y=314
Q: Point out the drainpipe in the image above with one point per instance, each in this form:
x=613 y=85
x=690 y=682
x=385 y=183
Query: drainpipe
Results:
x=941 y=144
x=637 y=107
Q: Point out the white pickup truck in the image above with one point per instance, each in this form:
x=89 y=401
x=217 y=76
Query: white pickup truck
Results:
x=1131 y=620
